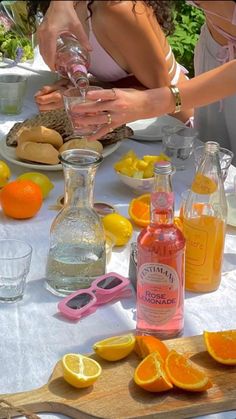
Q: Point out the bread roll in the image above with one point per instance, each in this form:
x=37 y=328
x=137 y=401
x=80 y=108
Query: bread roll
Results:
x=37 y=152
x=40 y=134
x=82 y=143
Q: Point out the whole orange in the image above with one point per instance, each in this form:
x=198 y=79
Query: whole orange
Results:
x=21 y=199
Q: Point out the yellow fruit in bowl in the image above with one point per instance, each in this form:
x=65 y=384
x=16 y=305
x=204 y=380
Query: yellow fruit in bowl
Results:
x=5 y=173
x=119 y=227
x=42 y=181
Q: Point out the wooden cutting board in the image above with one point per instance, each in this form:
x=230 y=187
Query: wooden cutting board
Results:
x=115 y=395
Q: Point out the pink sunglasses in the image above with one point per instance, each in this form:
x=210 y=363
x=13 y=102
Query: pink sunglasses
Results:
x=103 y=289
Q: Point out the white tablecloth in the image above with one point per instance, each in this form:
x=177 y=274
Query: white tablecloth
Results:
x=32 y=335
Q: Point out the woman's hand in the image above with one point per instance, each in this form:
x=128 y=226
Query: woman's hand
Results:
x=60 y=17
x=115 y=107
x=50 y=97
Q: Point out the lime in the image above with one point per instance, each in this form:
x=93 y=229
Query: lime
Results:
x=5 y=173
x=42 y=181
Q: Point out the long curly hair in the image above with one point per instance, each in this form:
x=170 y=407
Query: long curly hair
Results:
x=162 y=9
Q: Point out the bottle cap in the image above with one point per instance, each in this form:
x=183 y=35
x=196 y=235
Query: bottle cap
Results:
x=164 y=168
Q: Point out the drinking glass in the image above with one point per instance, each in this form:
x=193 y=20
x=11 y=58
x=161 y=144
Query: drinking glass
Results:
x=12 y=92
x=73 y=97
x=15 y=259
x=177 y=143
x=225 y=155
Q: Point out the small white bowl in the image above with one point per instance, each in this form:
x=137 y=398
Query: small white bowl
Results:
x=138 y=185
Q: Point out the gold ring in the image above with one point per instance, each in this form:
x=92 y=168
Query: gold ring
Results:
x=109 y=121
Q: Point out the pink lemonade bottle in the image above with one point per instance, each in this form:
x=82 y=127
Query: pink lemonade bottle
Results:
x=161 y=264
x=72 y=60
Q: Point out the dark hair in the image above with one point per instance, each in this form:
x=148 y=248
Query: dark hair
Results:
x=162 y=9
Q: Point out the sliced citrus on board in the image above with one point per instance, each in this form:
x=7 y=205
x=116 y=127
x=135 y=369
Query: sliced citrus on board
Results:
x=222 y=346
x=80 y=371
x=115 y=348
x=145 y=345
x=150 y=374
x=185 y=374
x=139 y=210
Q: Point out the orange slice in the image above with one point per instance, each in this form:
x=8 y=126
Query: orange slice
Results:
x=80 y=371
x=139 y=210
x=115 y=348
x=150 y=374
x=145 y=345
x=185 y=374
x=222 y=346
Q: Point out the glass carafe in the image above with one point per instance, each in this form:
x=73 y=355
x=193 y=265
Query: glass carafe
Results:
x=77 y=252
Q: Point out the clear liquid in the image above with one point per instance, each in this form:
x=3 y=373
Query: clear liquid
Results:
x=178 y=155
x=71 y=267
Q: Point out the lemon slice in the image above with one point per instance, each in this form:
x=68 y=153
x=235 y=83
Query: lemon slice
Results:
x=80 y=371
x=115 y=348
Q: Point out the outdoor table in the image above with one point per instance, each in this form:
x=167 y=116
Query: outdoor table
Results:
x=32 y=336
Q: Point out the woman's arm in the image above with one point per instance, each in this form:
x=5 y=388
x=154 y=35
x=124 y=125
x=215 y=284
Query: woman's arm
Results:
x=129 y=105
x=60 y=17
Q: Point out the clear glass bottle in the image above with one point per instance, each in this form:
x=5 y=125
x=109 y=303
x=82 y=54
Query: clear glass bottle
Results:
x=204 y=222
x=160 y=264
x=77 y=253
x=72 y=60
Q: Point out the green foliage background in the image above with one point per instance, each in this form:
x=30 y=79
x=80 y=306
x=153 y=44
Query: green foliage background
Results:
x=188 y=21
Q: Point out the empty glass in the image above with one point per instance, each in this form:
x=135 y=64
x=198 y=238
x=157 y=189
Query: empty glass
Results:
x=72 y=97
x=177 y=143
x=12 y=92
x=225 y=155
x=15 y=259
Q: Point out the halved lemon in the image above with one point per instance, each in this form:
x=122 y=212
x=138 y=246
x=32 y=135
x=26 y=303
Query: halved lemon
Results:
x=80 y=371
x=115 y=348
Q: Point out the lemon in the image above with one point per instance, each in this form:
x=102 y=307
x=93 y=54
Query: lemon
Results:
x=42 y=181
x=5 y=173
x=119 y=227
x=115 y=348
x=80 y=371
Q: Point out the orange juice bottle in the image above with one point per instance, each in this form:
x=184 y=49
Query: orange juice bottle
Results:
x=204 y=221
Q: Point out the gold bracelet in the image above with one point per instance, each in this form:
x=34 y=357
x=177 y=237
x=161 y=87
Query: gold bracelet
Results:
x=175 y=92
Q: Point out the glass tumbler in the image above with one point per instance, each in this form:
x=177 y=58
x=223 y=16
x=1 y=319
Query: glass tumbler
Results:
x=12 y=92
x=77 y=253
x=177 y=144
x=73 y=97
x=15 y=259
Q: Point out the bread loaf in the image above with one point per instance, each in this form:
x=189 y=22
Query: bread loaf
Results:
x=37 y=152
x=82 y=143
x=40 y=134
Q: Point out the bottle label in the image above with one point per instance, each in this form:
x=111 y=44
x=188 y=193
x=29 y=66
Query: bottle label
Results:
x=157 y=293
x=162 y=200
x=196 y=244
x=78 y=68
x=203 y=185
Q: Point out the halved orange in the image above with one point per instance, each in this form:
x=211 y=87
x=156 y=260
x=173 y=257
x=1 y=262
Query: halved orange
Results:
x=145 y=345
x=150 y=374
x=139 y=210
x=222 y=346
x=185 y=374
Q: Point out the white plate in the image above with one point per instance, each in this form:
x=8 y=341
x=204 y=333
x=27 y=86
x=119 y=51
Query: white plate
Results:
x=9 y=154
x=231 y=201
x=151 y=129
